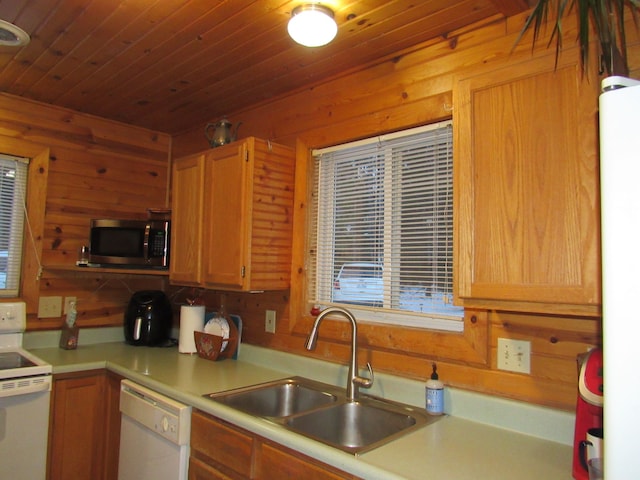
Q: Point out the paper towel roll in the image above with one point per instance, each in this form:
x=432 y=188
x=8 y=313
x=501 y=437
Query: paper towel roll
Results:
x=191 y=320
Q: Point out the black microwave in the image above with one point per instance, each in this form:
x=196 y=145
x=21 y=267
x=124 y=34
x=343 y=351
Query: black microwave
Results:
x=130 y=243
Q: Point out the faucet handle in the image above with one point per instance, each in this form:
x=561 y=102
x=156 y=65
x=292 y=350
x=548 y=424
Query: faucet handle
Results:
x=365 y=382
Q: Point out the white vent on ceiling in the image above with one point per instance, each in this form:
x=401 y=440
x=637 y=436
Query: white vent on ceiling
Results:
x=12 y=36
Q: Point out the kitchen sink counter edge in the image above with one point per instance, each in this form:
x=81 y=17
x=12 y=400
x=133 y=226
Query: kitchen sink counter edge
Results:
x=452 y=448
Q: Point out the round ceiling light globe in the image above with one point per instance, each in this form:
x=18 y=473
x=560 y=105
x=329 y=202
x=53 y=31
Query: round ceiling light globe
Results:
x=312 y=25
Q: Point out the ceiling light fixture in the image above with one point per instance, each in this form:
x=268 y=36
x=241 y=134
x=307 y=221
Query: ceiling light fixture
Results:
x=12 y=36
x=312 y=25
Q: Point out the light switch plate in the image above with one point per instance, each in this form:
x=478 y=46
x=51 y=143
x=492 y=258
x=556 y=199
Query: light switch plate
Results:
x=49 y=307
x=270 y=321
x=514 y=355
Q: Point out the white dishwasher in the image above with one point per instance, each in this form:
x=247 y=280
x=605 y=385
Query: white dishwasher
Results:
x=154 y=435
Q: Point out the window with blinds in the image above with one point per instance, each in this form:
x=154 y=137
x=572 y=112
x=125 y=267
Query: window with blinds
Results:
x=383 y=228
x=13 y=184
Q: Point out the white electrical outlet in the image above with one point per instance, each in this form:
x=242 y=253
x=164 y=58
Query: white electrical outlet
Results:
x=514 y=355
x=49 y=307
x=67 y=304
x=270 y=321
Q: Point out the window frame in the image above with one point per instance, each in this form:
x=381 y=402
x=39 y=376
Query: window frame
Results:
x=471 y=345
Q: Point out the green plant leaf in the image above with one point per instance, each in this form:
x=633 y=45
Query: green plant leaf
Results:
x=606 y=17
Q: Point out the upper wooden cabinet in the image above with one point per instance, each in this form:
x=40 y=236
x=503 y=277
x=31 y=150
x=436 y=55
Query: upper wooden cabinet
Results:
x=526 y=189
x=232 y=210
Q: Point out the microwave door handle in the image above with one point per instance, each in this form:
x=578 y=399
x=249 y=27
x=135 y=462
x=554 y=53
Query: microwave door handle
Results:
x=145 y=244
x=137 y=328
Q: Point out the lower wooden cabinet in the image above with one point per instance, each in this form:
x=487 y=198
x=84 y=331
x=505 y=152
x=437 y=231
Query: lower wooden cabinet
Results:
x=84 y=428
x=223 y=451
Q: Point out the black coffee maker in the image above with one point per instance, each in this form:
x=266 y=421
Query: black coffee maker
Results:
x=148 y=319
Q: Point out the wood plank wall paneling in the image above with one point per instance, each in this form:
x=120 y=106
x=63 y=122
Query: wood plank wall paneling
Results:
x=96 y=169
x=410 y=89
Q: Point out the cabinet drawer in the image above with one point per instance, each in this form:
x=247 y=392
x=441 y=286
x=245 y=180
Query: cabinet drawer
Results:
x=214 y=440
x=275 y=462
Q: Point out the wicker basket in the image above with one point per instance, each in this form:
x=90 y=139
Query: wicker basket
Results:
x=210 y=346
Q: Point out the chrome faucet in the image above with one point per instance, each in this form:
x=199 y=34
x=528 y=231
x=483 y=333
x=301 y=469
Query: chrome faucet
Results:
x=354 y=382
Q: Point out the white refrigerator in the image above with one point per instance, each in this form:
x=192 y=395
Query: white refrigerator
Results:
x=620 y=201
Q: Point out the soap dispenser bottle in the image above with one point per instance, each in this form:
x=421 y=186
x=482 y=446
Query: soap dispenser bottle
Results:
x=435 y=394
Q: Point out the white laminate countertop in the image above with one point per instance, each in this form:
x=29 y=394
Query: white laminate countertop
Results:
x=452 y=448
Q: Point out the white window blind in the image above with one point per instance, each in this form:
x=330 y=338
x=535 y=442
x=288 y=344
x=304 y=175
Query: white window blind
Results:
x=383 y=228
x=13 y=184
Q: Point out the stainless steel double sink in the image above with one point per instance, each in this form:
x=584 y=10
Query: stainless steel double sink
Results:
x=322 y=412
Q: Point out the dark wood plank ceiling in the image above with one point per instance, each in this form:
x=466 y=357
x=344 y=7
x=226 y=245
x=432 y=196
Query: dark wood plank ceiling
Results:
x=173 y=65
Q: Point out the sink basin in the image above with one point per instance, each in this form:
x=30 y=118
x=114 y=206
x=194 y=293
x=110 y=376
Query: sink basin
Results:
x=282 y=398
x=323 y=413
x=355 y=426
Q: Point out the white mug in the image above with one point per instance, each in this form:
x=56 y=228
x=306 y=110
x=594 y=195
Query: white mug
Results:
x=592 y=447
